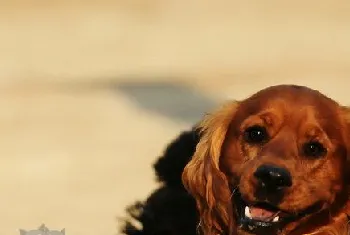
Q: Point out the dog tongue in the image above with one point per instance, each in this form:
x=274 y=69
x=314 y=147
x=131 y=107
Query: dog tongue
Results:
x=261 y=214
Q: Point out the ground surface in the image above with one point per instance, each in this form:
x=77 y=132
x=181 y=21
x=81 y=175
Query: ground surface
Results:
x=92 y=91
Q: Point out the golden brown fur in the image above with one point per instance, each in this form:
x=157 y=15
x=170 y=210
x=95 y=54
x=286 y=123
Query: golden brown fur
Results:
x=292 y=115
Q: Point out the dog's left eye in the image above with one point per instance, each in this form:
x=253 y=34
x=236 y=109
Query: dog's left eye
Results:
x=255 y=135
x=314 y=149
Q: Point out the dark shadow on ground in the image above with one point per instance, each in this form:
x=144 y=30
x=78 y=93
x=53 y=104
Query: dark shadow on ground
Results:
x=175 y=101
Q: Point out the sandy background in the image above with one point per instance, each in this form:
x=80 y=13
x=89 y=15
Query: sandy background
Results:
x=91 y=91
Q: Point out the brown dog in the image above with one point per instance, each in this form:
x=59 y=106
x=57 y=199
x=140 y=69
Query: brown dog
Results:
x=275 y=163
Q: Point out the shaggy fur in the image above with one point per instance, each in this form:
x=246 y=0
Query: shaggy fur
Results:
x=274 y=163
x=296 y=130
x=170 y=210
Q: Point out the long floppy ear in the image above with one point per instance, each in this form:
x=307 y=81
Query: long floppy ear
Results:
x=343 y=225
x=345 y=112
x=203 y=178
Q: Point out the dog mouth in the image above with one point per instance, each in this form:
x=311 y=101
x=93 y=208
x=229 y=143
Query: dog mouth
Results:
x=263 y=212
x=262 y=218
x=265 y=218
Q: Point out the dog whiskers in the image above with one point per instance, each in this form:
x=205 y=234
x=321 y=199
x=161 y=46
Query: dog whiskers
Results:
x=198 y=229
x=233 y=191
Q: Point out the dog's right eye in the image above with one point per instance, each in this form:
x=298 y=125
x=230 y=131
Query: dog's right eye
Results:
x=255 y=135
x=314 y=149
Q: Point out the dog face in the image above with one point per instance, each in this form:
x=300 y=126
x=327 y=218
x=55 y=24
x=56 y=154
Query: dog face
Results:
x=270 y=164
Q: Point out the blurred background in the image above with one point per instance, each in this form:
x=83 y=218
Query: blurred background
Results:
x=92 y=91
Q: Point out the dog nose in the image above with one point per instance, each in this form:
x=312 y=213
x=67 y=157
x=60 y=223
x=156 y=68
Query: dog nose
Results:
x=273 y=177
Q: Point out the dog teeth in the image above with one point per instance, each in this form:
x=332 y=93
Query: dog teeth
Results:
x=276 y=219
x=247 y=212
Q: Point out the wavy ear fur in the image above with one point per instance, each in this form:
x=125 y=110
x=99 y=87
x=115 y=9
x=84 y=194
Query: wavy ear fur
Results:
x=346 y=115
x=203 y=178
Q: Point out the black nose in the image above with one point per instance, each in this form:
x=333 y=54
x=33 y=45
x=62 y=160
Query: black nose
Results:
x=273 y=177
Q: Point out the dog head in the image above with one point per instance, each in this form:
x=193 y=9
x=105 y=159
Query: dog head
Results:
x=274 y=163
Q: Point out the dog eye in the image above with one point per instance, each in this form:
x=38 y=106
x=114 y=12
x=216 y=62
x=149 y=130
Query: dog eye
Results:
x=255 y=135
x=314 y=149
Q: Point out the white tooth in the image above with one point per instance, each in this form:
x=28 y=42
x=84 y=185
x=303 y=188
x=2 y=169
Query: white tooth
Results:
x=276 y=219
x=247 y=212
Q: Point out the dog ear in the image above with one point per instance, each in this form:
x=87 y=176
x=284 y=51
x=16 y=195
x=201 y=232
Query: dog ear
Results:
x=203 y=178
x=345 y=113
